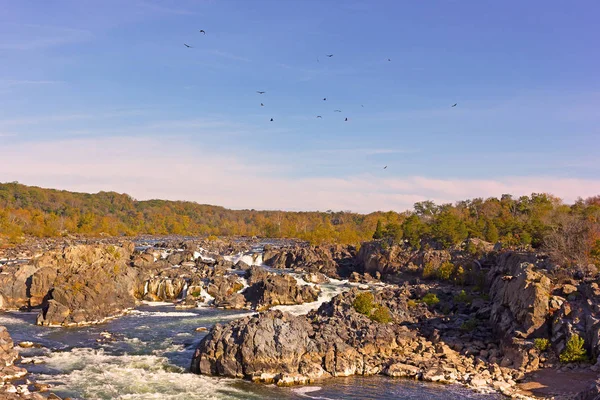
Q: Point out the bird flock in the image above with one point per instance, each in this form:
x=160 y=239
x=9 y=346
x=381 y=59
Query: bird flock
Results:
x=261 y=92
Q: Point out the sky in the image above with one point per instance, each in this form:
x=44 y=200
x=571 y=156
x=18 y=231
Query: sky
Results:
x=103 y=95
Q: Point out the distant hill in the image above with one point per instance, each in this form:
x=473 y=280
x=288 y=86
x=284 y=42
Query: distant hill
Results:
x=529 y=220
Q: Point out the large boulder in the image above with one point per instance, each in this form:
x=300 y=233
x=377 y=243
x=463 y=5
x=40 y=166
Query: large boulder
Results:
x=334 y=261
x=334 y=340
x=519 y=296
x=268 y=289
x=84 y=284
x=15 y=282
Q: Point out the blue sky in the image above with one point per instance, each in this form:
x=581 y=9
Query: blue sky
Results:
x=103 y=95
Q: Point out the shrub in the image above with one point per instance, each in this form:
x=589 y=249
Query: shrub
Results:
x=574 y=350
x=445 y=271
x=113 y=251
x=428 y=270
x=363 y=303
x=381 y=314
x=212 y=238
x=430 y=299
x=462 y=297
x=541 y=344
x=411 y=303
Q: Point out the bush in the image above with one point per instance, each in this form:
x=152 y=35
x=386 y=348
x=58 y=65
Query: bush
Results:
x=381 y=314
x=212 y=238
x=363 y=303
x=430 y=299
x=462 y=297
x=428 y=270
x=541 y=344
x=445 y=271
x=411 y=303
x=574 y=350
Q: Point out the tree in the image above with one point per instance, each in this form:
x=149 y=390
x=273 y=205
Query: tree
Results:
x=491 y=232
x=414 y=229
x=378 y=230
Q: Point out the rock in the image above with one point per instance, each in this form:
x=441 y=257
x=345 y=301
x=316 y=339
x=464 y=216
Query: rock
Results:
x=334 y=340
x=333 y=261
x=402 y=370
x=521 y=303
x=568 y=289
x=315 y=277
x=267 y=290
x=224 y=289
x=92 y=283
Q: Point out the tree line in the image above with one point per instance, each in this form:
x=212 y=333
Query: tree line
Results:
x=540 y=220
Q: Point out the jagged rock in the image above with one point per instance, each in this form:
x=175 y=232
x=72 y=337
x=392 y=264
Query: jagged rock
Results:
x=334 y=261
x=267 y=290
x=520 y=304
x=223 y=289
x=334 y=340
x=92 y=283
x=315 y=277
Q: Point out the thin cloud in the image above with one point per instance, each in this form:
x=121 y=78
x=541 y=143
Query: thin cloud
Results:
x=164 y=9
x=25 y=82
x=143 y=168
x=40 y=36
x=70 y=117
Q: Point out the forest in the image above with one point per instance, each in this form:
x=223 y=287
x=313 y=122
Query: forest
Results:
x=571 y=231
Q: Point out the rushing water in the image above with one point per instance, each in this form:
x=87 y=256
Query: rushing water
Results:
x=149 y=351
x=149 y=357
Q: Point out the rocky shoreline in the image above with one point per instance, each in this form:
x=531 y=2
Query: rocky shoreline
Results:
x=487 y=320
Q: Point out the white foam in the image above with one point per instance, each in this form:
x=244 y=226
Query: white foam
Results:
x=248 y=258
x=97 y=375
x=303 y=391
x=208 y=299
x=162 y=313
x=156 y=303
x=328 y=292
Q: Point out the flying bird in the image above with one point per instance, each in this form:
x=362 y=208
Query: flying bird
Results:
x=318 y=116
x=187 y=45
x=324 y=98
x=337 y=110
x=385 y=167
x=202 y=31
x=271 y=119
x=454 y=105
x=259 y=92
x=389 y=59
x=346 y=120
x=262 y=105
x=362 y=105
x=329 y=55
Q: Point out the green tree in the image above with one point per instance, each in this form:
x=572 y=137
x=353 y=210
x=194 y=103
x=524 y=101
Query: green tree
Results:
x=491 y=232
x=378 y=230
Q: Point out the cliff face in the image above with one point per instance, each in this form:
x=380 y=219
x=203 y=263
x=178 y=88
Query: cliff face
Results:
x=74 y=285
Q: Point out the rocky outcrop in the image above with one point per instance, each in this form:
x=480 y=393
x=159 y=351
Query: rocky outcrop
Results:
x=225 y=290
x=336 y=340
x=93 y=283
x=519 y=295
x=267 y=290
x=334 y=261
x=74 y=285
